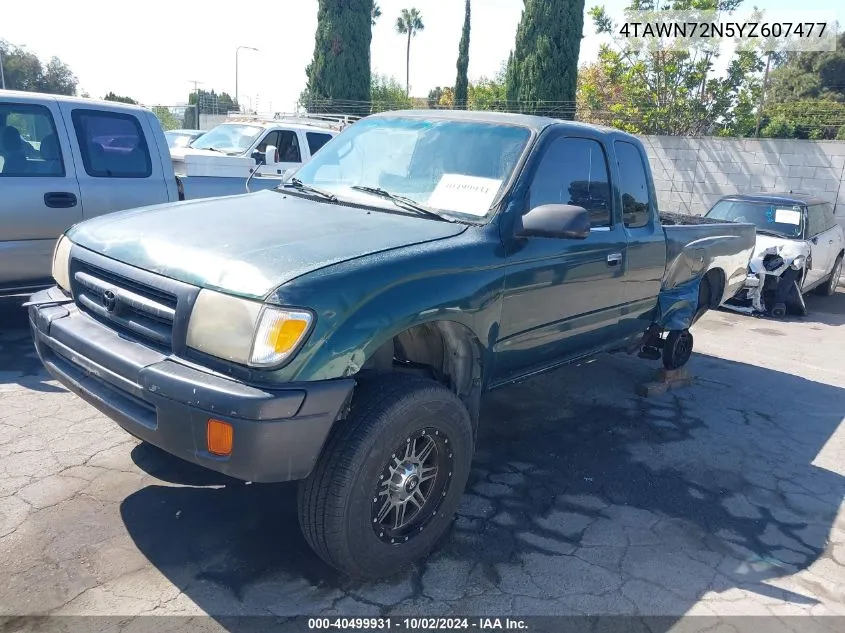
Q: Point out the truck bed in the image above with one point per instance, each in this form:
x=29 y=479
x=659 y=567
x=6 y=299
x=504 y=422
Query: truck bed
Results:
x=695 y=246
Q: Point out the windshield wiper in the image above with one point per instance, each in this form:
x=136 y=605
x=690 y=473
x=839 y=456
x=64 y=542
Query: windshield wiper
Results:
x=770 y=232
x=403 y=202
x=297 y=184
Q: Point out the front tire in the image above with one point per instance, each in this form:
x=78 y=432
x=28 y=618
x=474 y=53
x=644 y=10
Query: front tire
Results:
x=829 y=288
x=390 y=477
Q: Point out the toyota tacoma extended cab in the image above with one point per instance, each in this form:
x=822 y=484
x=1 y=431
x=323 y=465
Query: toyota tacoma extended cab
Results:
x=341 y=329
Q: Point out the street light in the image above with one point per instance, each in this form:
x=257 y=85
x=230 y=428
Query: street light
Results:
x=238 y=50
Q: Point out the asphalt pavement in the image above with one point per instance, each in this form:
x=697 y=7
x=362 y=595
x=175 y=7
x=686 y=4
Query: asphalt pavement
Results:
x=720 y=499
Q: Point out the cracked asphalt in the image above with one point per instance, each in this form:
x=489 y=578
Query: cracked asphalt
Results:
x=722 y=499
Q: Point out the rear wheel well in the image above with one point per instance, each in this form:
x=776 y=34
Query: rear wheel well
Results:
x=445 y=351
x=713 y=285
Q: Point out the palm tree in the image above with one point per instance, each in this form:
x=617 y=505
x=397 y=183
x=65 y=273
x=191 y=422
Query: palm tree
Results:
x=375 y=13
x=409 y=22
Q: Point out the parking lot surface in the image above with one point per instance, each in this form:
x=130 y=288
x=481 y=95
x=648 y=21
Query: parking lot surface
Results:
x=723 y=498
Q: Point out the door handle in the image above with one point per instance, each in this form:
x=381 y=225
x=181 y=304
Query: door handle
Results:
x=614 y=258
x=59 y=199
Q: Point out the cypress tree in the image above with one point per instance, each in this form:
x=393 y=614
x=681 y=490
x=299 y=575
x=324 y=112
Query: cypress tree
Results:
x=462 y=82
x=339 y=72
x=543 y=66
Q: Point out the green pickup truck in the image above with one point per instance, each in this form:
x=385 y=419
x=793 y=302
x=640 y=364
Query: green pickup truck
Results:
x=341 y=329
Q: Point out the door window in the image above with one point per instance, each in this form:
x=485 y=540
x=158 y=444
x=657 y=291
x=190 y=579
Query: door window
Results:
x=815 y=220
x=633 y=183
x=289 y=148
x=272 y=138
x=829 y=217
x=574 y=171
x=112 y=144
x=29 y=145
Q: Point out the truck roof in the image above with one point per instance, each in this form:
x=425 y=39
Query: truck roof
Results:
x=21 y=95
x=776 y=198
x=534 y=122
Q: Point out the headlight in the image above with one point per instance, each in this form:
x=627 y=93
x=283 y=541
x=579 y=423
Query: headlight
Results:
x=61 y=263
x=245 y=332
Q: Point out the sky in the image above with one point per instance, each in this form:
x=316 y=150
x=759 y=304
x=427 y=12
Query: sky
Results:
x=153 y=51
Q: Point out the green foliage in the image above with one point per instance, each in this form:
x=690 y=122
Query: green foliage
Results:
x=24 y=71
x=489 y=93
x=375 y=13
x=113 y=97
x=807 y=119
x=543 y=66
x=167 y=119
x=810 y=75
x=339 y=71
x=434 y=96
x=462 y=82
x=387 y=94
x=409 y=23
x=657 y=90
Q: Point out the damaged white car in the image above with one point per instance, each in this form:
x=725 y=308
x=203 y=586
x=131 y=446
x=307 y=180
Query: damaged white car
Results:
x=799 y=248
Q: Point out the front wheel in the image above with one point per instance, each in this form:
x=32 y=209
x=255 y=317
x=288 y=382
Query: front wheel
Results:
x=829 y=288
x=390 y=477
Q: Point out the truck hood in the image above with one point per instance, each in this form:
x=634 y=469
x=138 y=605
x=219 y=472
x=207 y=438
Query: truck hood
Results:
x=250 y=244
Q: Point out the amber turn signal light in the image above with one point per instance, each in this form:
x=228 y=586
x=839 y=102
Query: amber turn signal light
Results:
x=219 y=437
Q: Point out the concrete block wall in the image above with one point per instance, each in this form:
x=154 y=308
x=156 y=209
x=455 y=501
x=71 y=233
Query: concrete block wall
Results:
x=690 y=174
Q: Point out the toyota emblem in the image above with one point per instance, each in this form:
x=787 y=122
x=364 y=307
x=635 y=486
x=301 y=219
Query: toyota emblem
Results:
x=109 y=300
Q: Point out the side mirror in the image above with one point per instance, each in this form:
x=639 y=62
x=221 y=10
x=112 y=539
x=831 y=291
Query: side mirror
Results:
x=271 y=155
x=555 y=220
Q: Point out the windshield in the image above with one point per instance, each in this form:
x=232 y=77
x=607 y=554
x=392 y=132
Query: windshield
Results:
x=454 y=166
x=228 y=137
x=179 y=139
x=783 y=219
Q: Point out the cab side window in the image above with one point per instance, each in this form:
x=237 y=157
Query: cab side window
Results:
x=289 y=147
x=574 y=171
x=316 y=141
x=29 y=146
x=112 y=144
x=272 y=138
x=633 y=183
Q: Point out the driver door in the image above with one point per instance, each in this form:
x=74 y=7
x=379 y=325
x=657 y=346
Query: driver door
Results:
x=289 y=152
x=564 y=298
x=816 y=236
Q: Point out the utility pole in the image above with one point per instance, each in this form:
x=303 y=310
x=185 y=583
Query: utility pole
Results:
x=763 y=95
x=238 y=50
x=197 y=104
x=2 y=75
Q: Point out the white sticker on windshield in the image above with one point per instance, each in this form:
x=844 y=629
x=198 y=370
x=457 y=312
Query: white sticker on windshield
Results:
x=464 y=194
x=788 y=216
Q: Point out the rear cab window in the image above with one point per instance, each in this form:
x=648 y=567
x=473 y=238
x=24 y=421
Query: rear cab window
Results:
x=633 y=184
x=29 y=144
x=112 y=144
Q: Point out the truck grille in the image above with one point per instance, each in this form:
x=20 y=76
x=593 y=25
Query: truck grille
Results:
x=137 y=309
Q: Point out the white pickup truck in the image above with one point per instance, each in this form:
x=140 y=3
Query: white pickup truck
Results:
x=67 y=159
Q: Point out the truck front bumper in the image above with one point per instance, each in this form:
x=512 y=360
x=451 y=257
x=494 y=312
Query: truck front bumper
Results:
x=277 y=434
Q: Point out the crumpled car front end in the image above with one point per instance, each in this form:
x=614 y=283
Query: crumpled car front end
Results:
x=773 y=283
